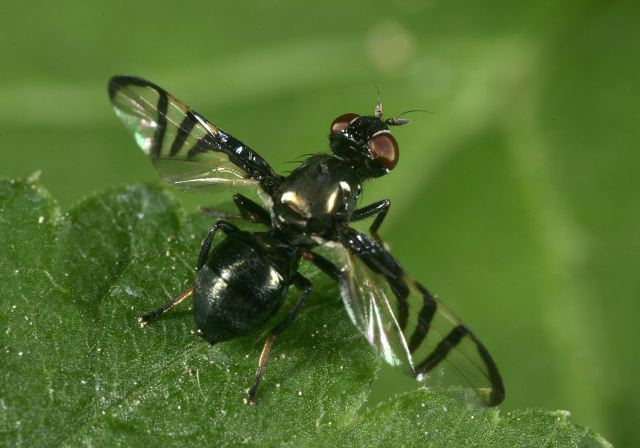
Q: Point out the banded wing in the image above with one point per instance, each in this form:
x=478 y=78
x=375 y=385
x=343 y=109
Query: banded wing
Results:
x=187 y=151
x=410 y=328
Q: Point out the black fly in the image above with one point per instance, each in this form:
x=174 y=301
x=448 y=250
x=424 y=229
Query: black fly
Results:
x=241 y=282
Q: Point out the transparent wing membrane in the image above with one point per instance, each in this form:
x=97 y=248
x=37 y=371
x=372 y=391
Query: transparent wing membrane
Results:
x=412 y=330
x=187 y=151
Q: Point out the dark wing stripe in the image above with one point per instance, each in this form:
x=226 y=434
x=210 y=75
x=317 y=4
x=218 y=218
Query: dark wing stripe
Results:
x=424 y=319
x=497 y=386
x=442 y=349
x=186 y=126
x=119 y=82
x=401 y=292
x=201 y=145
x=158 y=137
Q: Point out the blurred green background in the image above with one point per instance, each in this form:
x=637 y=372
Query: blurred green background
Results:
x=515 y=199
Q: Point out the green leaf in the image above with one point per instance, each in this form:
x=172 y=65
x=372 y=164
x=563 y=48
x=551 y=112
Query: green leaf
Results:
x=78 y=370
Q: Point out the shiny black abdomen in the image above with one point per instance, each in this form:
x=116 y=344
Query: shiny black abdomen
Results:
x=237 y=290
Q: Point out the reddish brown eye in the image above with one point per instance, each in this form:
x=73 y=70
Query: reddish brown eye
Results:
x=384 y=148
x=342 y=122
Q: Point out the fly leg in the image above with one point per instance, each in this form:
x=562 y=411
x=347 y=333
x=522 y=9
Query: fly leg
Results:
x=204 y=252
x=249 y=210
x=226 y=227
x=380 y=208
x=144 y=320
x=324 y=265
x=303 y=284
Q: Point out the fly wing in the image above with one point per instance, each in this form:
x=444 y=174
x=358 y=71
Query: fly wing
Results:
x=413 y=330
x=187 y=151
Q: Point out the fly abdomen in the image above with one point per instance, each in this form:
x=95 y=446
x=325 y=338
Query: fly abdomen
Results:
x=236 y=291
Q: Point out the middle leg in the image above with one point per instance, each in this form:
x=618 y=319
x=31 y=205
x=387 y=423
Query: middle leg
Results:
x=249 y=210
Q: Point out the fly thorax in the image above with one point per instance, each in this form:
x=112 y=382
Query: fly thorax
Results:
x=318 y=196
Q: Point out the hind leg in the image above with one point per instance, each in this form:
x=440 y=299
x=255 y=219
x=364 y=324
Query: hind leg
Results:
x=305 y=285
x=202 y=258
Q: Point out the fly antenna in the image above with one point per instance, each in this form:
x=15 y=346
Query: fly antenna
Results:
x=415 y=110
x=397 y=121
x=378 y=112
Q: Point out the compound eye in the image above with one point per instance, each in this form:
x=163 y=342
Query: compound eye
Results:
x=340 y=123
x=384 y=148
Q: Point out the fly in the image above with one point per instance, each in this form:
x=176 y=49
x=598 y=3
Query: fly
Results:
x=242 y=281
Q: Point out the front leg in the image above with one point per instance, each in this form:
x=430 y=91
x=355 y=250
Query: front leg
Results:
x=380 y=208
